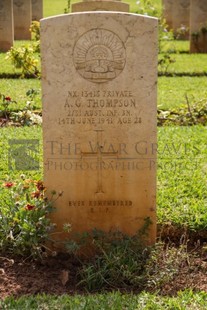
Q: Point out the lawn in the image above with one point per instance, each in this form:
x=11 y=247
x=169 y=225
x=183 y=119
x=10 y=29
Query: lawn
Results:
x=115 y=301
x=181 y=175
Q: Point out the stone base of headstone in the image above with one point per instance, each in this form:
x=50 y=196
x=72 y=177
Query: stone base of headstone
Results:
x=100 y=6
x=198 y=42
x=5 y=46
x=198 y=26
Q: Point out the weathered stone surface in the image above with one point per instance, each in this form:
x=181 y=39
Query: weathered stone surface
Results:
x=181 y=18
x=100 y=5
x=99 y=74
x=22 y=19
x=198 y=26
x=37 y=9
x=167 y=12
x=6 y=25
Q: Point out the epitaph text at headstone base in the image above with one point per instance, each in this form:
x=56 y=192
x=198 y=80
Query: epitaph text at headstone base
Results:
x=101 y=5
x=181 y=18
x=37 y=9
x=198 y=26
x=99 y=74
x=167 y=13
x=6 y=25
x=22 y=10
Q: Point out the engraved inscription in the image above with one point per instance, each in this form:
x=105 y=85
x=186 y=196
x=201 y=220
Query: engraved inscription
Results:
x=100 y=107
x=99 y=55
x=99 y=154
x=100 y=203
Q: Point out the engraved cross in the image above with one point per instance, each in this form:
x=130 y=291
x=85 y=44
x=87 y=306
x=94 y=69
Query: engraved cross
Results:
x=99 y=155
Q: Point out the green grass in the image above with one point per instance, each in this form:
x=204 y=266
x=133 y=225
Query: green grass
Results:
x=182 y=177
x=175 y=46
x=111 y=301
x=188 y=64
x=16 y=89
x=172 y=91
x=54 y=7
x=6 y=66
x=19 y=133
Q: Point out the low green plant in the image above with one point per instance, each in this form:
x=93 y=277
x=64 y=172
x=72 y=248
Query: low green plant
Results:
x=27 y=116
x=35 y=33
x=165 y=60
x=118 y=262
x=187 y=115
x=124 y=262
x=35 y=30
x=24 y=222
x=24 y=58
x=182 y=32
x=27 y=56
x=32 y=94
x=148 y=7
x=164 y=264
x=5 y=102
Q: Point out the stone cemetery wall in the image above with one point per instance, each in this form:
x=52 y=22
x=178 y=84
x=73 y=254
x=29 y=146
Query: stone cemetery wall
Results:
x=6 y=25
x=99 y=74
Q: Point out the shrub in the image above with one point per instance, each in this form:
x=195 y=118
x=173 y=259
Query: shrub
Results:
x=24 y=222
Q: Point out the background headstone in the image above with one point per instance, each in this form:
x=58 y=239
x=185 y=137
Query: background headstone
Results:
x=99 y=73
x=22 y=19
x=181 y=18
x=37 y=9
x=198 y=26
x=6 y=25
x=99 y=5
x=167 y=12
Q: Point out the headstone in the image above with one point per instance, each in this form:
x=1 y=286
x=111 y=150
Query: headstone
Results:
x=100 y=5
x=6 y=25
x=99 y=72
x=181 y=18
x=22 y=19
x=167 y=12
x=198 y=26
x=37 y=9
